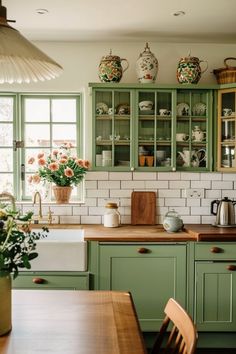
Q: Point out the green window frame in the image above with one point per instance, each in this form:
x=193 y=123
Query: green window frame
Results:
x=37 y=124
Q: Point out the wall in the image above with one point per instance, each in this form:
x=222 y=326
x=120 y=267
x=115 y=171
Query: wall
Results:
x=80 y=62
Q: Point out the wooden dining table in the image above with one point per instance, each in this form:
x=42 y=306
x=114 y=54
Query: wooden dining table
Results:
x=73 y=322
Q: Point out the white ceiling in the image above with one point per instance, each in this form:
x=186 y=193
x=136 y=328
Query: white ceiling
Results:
x=125 y=20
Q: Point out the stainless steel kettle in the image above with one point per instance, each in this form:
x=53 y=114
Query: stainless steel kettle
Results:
x=224 y=211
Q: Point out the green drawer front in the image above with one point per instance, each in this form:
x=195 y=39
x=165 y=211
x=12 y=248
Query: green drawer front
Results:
x=52 y=281
x=215 y=251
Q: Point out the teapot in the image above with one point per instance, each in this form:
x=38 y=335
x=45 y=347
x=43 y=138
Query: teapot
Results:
x=189 y=70
x=110 y=68
x=198 y=134
x=193 y=158
x=172 y=222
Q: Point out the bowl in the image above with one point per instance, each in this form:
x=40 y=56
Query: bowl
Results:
x=145 y=105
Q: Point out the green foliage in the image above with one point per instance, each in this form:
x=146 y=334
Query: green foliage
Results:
x=17 y=241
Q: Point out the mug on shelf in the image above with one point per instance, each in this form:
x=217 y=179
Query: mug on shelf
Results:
x=227 y=112
x=164 y=112
x=182 y=137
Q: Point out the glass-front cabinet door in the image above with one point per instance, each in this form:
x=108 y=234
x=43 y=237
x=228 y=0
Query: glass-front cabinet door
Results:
x=112 y=110
x=154 y=129
x=193 y=129
x=226 y=130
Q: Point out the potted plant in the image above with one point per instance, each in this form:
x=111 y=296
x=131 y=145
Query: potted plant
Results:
x=60 y=167
x=17 y=249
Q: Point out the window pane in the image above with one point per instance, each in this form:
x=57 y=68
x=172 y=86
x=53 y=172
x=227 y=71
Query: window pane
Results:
x=6 y=134
x=63 y=133
x=64 y=110
x=6 y=182
x=6 y=109
x=37 y=110
x=37 y=135
x=6 y=164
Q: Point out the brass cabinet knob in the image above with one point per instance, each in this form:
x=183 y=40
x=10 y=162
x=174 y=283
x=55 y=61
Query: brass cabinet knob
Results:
x=38 y=280
x=216 y=250
x=143 y=250
x=231 y=267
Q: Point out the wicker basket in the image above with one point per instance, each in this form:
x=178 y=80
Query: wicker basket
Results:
x=226 y=75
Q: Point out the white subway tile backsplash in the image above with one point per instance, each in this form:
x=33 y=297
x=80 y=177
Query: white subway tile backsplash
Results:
x=120 y=176
x=168 y=176
x=144 y=176
x=222 y=185
x=116 y=187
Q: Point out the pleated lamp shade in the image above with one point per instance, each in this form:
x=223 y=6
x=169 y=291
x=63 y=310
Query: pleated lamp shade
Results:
x=20 y=60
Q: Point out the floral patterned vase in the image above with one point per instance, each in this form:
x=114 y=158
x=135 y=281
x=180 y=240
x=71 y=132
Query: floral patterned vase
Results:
x=189 y=70
x=62 y=194
x=5 y=304
x=147 y=66
x=110 y=68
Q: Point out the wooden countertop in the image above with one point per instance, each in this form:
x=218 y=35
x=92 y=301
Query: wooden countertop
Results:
x=72 y=322
x=154 y=233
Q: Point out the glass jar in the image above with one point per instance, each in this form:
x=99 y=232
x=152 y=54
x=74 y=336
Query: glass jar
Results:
x=112 y=215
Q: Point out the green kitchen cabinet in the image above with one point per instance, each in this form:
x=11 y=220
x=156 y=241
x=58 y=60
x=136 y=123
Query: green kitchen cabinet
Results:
x=52 y=280
x=152 y=127
x=215 y=286
x=151 y=272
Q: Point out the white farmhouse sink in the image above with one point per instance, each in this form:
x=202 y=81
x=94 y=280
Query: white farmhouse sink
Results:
x=61 y=250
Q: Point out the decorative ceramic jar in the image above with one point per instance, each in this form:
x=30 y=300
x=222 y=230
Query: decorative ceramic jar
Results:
x=62 y=194
x=110 y=68
x=5 y=303
x=112 y=215
x=172 y=222
x=147 y=66
x=189 y=70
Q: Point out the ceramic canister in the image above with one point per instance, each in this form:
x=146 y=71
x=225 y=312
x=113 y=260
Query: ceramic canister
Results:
x=110 y=68
x=189 y=70
x=147 y=66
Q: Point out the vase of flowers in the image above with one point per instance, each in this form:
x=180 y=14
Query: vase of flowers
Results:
x=17 y=249
x=62 y=168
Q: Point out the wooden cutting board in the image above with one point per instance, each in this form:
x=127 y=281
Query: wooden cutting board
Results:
x=143 y=208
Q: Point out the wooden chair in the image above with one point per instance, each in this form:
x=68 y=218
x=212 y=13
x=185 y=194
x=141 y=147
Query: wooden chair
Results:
x=182 y=338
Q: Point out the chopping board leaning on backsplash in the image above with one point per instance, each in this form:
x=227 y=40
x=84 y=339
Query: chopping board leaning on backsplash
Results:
x=143 y=208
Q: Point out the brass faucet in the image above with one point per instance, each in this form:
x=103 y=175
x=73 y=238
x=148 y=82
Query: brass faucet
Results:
x=37 y=194
x=7 y=196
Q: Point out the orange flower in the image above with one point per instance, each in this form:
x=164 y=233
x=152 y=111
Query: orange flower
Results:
x=54 y=152
x=64 y=156
x=69 y=172
x=41 y=162
x=31 y=160
x=86 y=164
x=54 y=166
x=79 y=162
x=36 y=179
x=40 y=155
x=30 y=179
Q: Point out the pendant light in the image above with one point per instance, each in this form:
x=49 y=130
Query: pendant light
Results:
x=20 y=60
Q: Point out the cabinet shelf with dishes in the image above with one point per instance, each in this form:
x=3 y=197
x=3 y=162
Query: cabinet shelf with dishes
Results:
x=226 y=142
x=151 y=128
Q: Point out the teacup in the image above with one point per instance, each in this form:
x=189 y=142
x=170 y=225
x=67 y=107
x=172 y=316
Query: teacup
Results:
x=227 y=111
x=110 y=111
x=145 y=105
x=164 y=112
x=182 y=137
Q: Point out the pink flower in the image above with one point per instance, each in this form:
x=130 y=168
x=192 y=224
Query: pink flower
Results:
x=86 y=164
x=64 y=156
x=54 y=166
x=31 y=160
x=69 y=172
x=67 y=145
x=40 y=155
x=79 y=162
x=30 y=179
x=36 y=179
x=41 y=162
x=63 y=161
x=55 y=152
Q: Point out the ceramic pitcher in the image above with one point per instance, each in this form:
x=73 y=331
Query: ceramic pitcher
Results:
x=110 y=68
x=189 y=70
x=146 y=66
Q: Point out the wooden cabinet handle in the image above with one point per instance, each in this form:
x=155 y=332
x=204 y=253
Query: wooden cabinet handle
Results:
x=143 y=250
x=216 y=250
x=231 y=267
x=38 y=280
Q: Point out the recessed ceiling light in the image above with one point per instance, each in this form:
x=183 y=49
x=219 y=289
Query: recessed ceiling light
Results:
x=179 y=13
x=41 y=11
